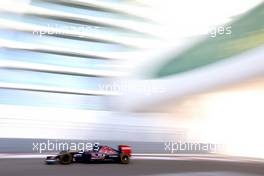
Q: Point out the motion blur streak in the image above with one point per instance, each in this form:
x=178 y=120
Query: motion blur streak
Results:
x=138 y=71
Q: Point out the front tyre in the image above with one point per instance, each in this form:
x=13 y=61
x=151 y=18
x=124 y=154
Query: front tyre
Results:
x=65 y=158
x=124 y=158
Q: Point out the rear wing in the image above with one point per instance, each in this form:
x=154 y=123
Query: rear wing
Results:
x=125 y=149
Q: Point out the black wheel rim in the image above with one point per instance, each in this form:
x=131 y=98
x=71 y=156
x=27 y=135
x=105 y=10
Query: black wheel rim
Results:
x=66 y=158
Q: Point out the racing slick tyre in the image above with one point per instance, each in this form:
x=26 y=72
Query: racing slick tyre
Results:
x=65 y=158
x=124 y=158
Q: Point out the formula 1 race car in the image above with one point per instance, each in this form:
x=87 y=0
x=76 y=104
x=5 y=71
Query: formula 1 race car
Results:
x=99 y=154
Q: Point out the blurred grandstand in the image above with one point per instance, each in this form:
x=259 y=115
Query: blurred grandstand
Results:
x=57 y=58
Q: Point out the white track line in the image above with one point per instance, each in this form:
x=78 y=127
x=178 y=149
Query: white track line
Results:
x=180 y=158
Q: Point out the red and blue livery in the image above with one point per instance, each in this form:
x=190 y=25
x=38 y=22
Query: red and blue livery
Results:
x=97 y=154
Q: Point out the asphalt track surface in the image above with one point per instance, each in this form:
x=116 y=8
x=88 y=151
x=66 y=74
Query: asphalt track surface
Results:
x=137 y=167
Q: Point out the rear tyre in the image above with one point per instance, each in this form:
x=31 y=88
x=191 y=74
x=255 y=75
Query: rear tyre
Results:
x=124 y=158
x=65 y=158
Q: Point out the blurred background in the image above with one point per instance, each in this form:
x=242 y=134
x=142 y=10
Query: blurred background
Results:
x=141 y=72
